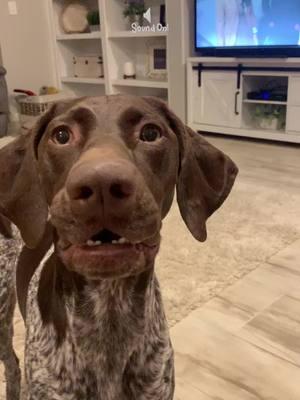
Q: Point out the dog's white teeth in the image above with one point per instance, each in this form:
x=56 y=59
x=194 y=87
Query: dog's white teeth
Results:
x=120 y=241
x=92 y=243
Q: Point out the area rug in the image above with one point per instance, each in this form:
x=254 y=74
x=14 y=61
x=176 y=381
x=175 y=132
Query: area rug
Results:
x=254 y=224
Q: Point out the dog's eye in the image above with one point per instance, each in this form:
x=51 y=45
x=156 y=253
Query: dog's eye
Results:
x=150 y=133
x=61 y=135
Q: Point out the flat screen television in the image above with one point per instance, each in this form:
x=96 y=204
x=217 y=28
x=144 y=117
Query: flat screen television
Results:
x=247 y=28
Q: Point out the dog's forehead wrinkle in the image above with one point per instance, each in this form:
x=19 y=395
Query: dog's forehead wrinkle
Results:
x=82 y=111
x=105 y=118
x=111 y=110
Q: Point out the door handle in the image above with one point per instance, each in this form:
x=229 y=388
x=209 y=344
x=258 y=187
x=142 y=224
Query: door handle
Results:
x=236 y=111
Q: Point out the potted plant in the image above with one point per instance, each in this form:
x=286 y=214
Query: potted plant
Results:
x=134 y=11
x=93 y=18
x=269 y=116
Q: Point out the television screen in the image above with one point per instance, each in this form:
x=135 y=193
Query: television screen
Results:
x=226 y=24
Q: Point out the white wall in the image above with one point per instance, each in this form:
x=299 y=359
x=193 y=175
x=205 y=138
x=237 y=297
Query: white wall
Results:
x=180 y=46
x=26 y=46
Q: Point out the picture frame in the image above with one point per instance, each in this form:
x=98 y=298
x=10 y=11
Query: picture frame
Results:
x=157 y=61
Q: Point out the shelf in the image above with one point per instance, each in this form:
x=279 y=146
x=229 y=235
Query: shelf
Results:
x=279 y=103
x=91 y=81
x=271 y=131
x=79 y=36
x=130 y=34
x=141 y=82
x=249 y=132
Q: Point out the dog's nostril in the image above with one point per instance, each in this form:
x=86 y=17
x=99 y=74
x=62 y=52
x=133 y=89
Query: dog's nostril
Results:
x=85 y=193
x=119 y=191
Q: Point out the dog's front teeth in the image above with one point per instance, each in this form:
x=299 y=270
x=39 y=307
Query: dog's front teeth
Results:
x=91 y=243
x=119 y=241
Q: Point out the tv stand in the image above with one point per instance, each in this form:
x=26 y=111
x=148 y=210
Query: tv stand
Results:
x=219 y=97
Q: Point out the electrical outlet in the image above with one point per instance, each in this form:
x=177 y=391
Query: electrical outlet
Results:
x=12 y=8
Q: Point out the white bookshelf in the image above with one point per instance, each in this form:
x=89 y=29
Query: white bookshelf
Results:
x=117 y=45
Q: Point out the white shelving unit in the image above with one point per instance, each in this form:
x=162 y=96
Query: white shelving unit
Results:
x=217 y=104
x=117 y=44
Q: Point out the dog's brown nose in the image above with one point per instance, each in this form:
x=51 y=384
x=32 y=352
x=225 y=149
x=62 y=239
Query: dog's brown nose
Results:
x=111 y=185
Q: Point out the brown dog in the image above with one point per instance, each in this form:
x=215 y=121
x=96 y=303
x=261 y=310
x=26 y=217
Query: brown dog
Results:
x=105 y=170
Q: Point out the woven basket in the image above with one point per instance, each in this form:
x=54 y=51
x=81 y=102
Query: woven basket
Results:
x=36 y=105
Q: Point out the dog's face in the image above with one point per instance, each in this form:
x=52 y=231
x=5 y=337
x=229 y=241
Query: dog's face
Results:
x=106 y=169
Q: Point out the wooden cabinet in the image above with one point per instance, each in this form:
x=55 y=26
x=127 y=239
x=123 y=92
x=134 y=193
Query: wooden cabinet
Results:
x=215 y=101
x=257 y=98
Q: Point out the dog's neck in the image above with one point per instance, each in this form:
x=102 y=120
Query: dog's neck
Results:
x=118 y=325
x=128 y=301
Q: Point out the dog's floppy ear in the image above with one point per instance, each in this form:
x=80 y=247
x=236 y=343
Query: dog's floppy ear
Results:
x=5 y=228
x=205 y=178
x=21 y=197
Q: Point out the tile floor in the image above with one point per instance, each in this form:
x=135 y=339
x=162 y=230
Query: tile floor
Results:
x=245 y=343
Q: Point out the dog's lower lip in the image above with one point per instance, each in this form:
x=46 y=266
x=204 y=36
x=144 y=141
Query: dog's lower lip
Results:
x=107 y=250
x=110 y=247
x=85 y=246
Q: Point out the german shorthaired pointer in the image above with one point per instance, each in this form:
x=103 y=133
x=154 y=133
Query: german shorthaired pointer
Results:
x=9 y=249
x=103 y=172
